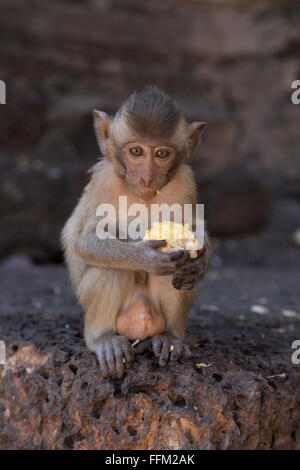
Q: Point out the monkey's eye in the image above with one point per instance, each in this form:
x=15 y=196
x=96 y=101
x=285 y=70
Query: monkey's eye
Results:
x=136 y=151
x=162 y=153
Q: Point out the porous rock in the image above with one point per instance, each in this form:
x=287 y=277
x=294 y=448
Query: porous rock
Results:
x=52 y=395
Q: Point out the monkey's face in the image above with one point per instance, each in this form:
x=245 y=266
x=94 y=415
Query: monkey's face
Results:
x=147 y=140
x=147 y=166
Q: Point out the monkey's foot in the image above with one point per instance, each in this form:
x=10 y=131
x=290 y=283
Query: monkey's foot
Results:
x=165 y=347
x=114 y=354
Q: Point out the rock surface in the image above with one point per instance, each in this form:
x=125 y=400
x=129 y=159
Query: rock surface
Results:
x=52 y=395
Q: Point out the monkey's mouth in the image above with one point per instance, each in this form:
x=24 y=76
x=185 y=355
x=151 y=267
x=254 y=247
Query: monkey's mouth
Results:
x=144 y=193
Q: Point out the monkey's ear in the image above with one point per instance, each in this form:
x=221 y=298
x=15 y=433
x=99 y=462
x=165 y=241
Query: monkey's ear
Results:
x=195 y=131
x=102 y=124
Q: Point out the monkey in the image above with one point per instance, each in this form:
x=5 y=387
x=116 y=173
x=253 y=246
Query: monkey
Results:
x=145 y=152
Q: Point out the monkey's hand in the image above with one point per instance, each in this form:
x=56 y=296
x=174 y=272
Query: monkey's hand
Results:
x=158 y=263
x=165 y=347
x=187 y=276
x=114 y=354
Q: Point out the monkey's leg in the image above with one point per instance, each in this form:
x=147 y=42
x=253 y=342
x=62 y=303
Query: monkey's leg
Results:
x=174 y=305
x=102 y=293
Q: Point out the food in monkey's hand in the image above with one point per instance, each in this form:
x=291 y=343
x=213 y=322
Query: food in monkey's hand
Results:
x=177 y=236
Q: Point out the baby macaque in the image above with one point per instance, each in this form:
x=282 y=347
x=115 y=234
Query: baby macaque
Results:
x=133 y=289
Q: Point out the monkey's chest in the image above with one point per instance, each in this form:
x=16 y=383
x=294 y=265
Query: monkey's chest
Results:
x=141 y=278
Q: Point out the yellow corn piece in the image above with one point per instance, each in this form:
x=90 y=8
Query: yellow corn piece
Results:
x=177 y=236
x=201 y=364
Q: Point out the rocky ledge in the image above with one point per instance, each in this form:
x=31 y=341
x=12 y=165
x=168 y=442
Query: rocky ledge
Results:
x=244 y=393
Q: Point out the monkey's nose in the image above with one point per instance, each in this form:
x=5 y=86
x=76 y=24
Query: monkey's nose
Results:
x=147 y=180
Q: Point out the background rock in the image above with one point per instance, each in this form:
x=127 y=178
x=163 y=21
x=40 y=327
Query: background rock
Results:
x=230 y=63
x=235 y=201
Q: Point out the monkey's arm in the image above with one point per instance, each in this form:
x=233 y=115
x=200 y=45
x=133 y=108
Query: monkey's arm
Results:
x=113 y=253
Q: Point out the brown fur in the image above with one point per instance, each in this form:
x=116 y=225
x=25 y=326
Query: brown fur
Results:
x=104 y=291
x=107 y=275
x=151 y=113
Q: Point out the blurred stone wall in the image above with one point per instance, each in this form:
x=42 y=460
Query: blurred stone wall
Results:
x=230 y=63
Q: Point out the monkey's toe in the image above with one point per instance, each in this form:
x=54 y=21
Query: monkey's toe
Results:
x=167 y=349
x=114 y=355
x=179 y=351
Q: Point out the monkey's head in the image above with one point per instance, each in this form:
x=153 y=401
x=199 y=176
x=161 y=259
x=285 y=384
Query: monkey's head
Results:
x=147 y=140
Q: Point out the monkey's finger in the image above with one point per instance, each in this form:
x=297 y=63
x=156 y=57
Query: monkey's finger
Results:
x=181 y=277
x=176 y=254
x=201 y=252
x=187 y=269
x=167 y=258
x=118 y=356
x=194 y=266
x=128 y=355
x=141 y=347
x=176 y=283
x=110 y=359
x=180 y=285
x=165 y=351
x=187 y=277
x=119 y=365
x=103 y=367
x=102 y=362
x=171 y=266
x=188 y=286
x=176 y=352
x=182 y=260
x=155 y=243
x=156 y=345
